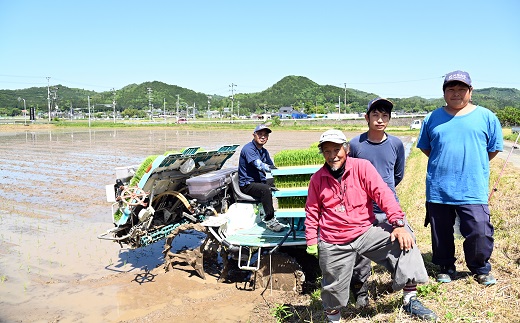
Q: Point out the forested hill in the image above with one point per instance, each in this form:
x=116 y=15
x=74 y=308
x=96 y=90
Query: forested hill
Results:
x=297 y=91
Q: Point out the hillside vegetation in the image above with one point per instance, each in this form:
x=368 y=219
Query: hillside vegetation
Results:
x=297 y=91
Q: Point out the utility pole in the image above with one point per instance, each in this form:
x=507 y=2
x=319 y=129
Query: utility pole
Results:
x=164 y=109
x=238 y=109
x=345 y=95
x=88 y=99
x=24 y=111
x=54 y=98
x=339 y=106
x=49 y=98
x=209 y=104
x=232 y=86
x=150 y=106
x=114 y=104
x=177 y=105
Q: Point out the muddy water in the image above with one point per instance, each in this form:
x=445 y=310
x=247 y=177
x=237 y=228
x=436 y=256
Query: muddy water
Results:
x=52 y=187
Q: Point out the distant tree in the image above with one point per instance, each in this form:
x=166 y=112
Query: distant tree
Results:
x=130 y=113
x=509 y=116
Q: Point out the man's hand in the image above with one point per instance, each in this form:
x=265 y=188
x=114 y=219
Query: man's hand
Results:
x=313 y=250
x=404 y=237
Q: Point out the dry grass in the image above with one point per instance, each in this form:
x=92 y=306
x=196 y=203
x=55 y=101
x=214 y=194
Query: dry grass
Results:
x=462 y=300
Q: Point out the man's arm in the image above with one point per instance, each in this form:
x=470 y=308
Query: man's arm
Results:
x=263 y=167
x=312 y=209
x=426 y=152
x=399 y=164
x=492 y=154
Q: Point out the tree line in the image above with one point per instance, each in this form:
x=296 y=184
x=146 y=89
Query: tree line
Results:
x=301 y=93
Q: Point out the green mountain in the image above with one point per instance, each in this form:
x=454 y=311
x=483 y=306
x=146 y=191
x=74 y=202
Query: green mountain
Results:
x=297 y=91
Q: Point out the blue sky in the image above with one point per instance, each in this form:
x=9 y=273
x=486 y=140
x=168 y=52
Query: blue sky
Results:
x=390 y=48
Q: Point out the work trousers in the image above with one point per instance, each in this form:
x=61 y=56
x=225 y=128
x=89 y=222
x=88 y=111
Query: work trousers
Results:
x=363 y=266
x=261 y=191
x=337 y=261
x=475 y=227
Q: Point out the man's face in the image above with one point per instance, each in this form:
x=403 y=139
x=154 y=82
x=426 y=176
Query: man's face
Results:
x=260 y=137
x=457 y=96
x=377 y=120
x=334 y=154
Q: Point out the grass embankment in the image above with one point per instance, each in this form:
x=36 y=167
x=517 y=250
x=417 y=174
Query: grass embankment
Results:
x=462 y=300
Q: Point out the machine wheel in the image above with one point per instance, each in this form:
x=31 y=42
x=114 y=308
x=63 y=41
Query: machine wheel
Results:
x=133 y=196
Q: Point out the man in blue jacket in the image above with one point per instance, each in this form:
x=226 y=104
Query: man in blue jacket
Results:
x=254 y=165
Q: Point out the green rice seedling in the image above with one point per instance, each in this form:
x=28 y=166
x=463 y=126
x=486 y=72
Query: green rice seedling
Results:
x=141 y=170
x=295 y=157
x=117 y=215
x=298 y=157
x=291 y=202
x=298 y=180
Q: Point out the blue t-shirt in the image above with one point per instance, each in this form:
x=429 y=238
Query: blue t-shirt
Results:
x=248 y=171
x=388 y=157
x=458 y=165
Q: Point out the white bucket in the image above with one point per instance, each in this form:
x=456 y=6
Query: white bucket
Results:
x=241 y=216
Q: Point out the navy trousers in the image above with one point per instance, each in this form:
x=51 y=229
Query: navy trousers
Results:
x=261 y=191
x=475 y=227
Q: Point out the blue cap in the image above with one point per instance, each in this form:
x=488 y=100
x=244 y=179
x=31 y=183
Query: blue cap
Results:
x=457 y=76
x=263 y=127
x=379 y=101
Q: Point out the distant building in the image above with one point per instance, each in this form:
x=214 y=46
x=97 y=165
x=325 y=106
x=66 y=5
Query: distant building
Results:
x=290 y=113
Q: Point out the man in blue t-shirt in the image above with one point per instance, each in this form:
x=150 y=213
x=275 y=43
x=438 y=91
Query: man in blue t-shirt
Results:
x=460 y=139
x=386 y=153
x=254 y=168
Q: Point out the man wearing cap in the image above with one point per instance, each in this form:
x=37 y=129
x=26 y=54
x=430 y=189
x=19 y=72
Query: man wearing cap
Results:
x=387 y=154
x=253 y=166
x=460 y=139
x=339 y=226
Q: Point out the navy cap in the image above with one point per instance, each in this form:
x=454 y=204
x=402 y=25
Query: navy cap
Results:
x=457 y=76
x=263 y=127
x=379 y=101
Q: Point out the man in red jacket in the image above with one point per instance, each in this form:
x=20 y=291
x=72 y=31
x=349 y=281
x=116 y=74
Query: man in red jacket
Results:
x=339 y=225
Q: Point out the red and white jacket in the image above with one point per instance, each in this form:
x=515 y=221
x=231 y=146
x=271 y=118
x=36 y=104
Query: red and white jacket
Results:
x=342 y=211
